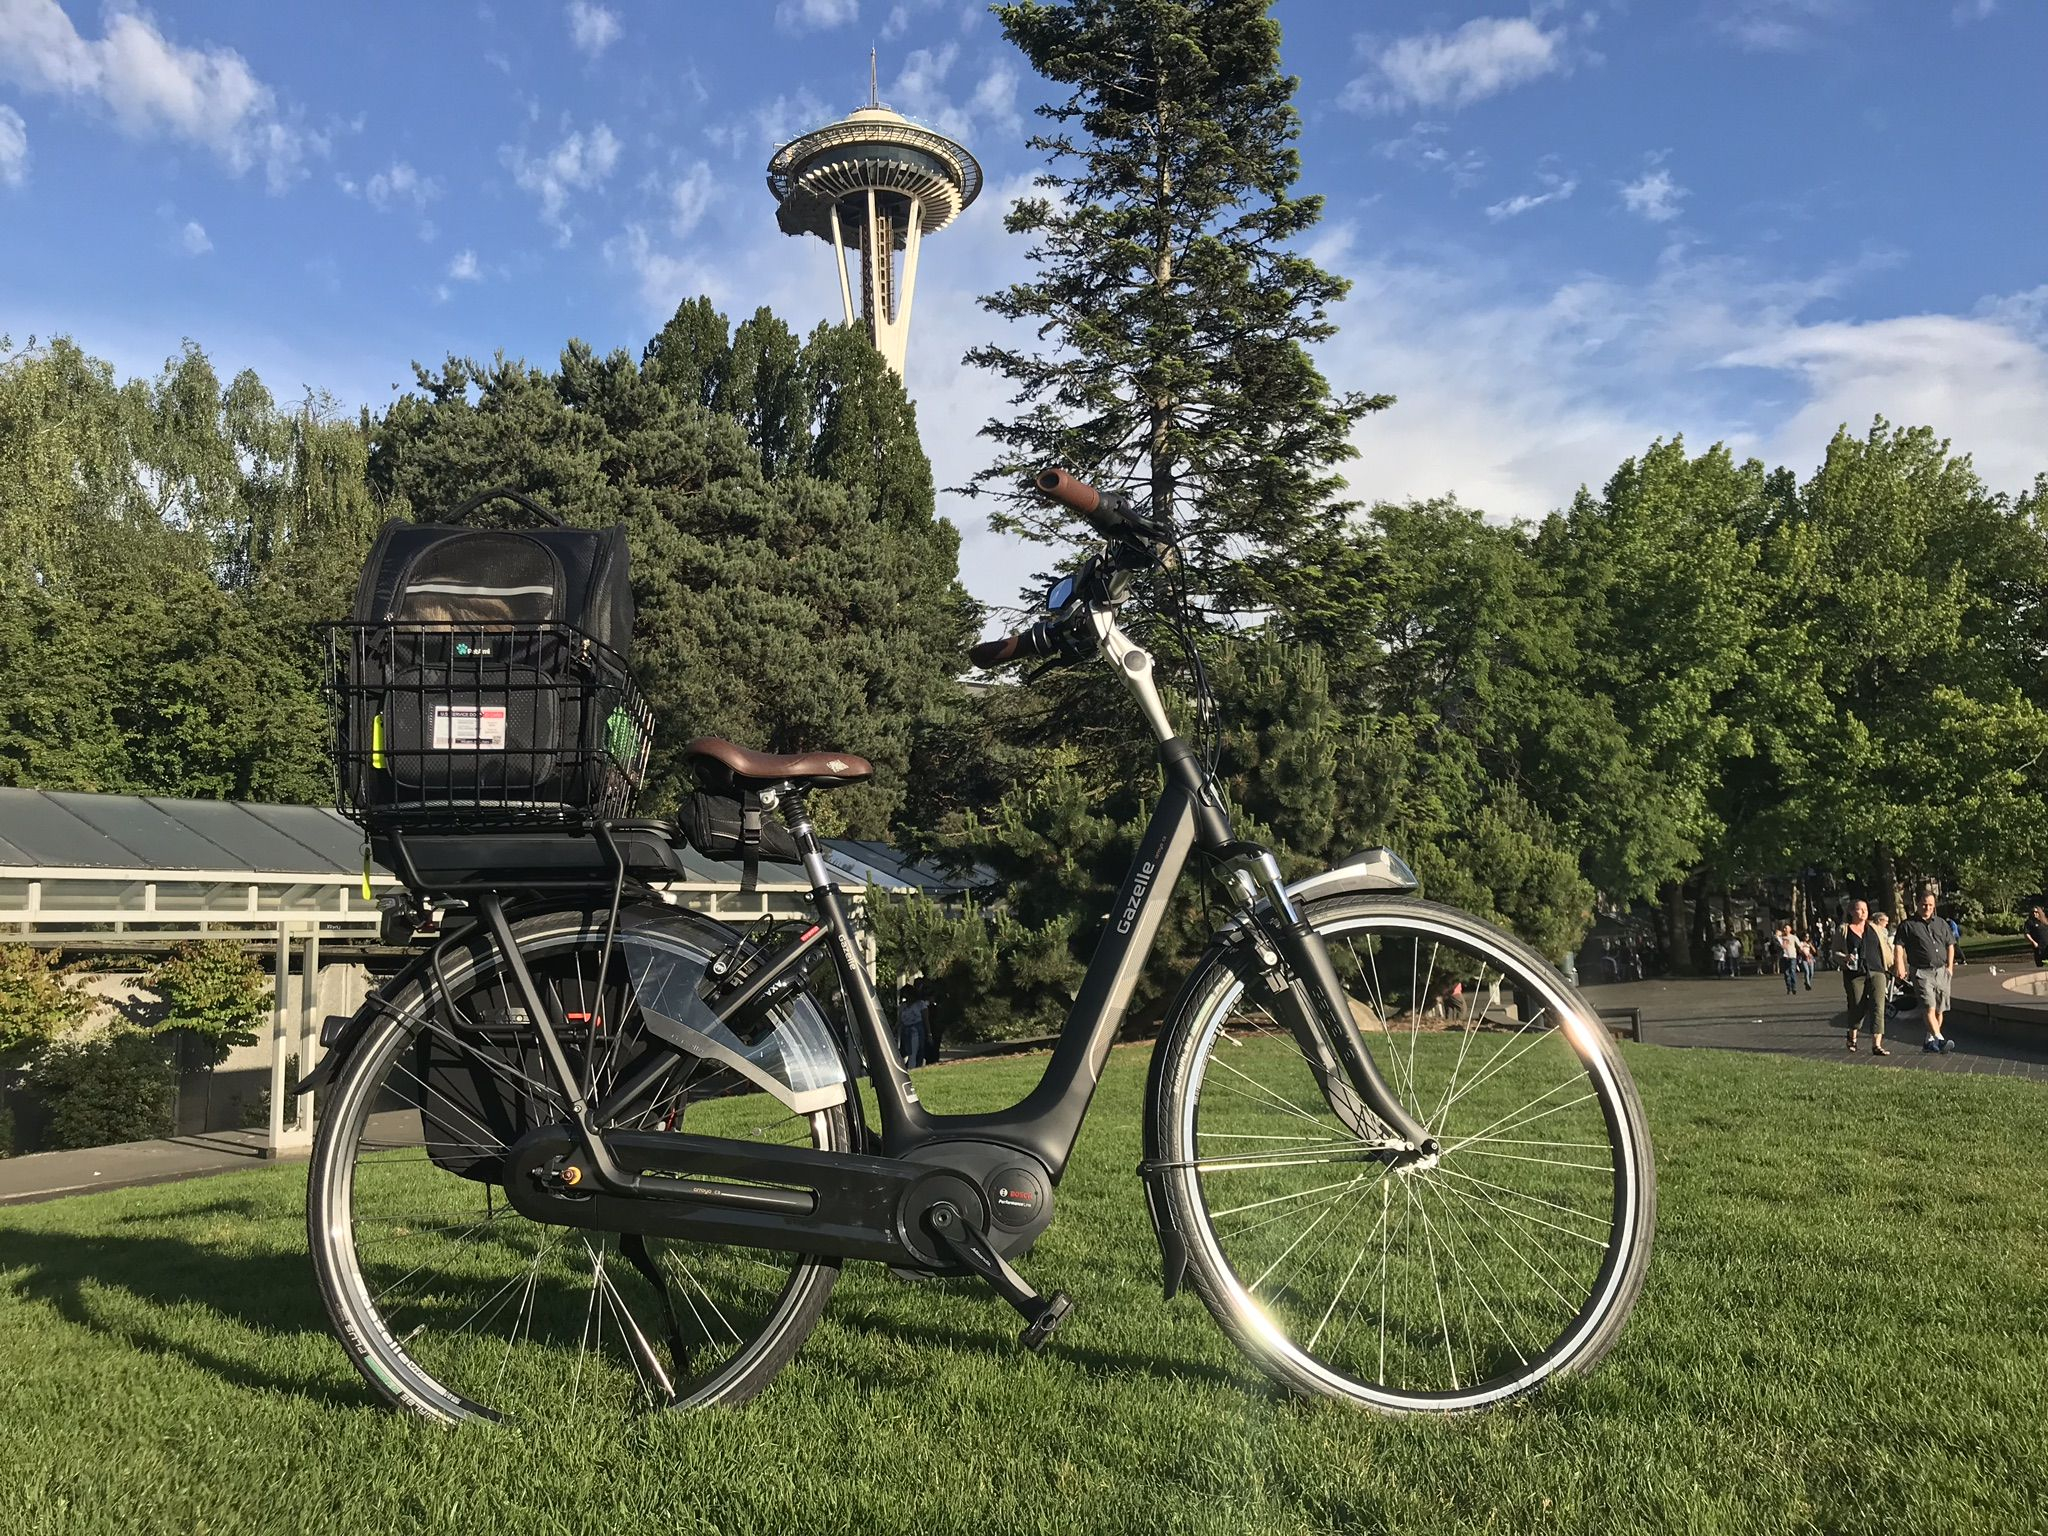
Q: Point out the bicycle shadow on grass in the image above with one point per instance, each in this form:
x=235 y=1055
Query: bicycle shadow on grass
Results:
x=84 y=1279
x=997 y=1335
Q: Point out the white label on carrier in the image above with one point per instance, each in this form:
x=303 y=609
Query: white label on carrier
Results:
x=479 y=727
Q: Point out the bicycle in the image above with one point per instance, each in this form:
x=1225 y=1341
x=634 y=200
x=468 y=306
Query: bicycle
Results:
x=594 y=1148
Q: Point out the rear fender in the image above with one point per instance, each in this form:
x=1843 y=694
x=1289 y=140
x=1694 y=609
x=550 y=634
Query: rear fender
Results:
x=340 y=1036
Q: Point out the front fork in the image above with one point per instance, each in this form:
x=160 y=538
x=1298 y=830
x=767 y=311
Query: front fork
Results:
x=1303 y=992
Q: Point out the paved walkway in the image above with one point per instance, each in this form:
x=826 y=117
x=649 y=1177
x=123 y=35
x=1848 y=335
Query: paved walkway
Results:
x=1995 y=1029
x=46 y=1175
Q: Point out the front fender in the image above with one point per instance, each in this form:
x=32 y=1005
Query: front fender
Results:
x=1376 y=869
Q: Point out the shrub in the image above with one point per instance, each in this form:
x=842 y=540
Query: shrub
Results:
x=116 y=1087
x=216 y=990
x=38 y=1000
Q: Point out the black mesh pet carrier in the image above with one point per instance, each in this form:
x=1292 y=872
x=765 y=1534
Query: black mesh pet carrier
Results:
x=482 y=677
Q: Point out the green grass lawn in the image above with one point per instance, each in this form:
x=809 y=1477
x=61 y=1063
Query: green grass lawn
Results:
x=1845 y=1328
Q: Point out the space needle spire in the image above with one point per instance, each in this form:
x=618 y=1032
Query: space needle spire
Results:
x=873 y=184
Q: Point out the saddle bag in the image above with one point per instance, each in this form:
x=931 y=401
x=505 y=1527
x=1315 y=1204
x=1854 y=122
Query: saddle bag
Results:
x=482 y=677
x=717 y=826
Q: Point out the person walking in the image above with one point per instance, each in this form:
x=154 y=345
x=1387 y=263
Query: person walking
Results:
x=1859 y=951
x=2036 y=931
x=1807 y=955
x=1928 y=947
x=910 y=1025
x=1787 y=946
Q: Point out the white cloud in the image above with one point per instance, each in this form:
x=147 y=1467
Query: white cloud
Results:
x=1778 y=26
x=1557 y=190
x=579 y=163
x=13 y=148
x=400 y=184
x=772 y=124
x=1423 y=147
x=995 y=99
x=2024 y=314
x=1512 y=400
x=664 y=279
x=919 y=92
x=688 y=198
x=1653 y=196
x=1454 y=69
x=1975 y=380
x=897 y=24
x=1967 y=11
x=815 y=15
x=592 y=28
x=193 y=238
x=153 y=87
x=463 y=269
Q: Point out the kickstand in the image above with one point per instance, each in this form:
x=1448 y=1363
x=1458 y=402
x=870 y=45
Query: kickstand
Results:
x=634 y=1247
x=1042 y=1314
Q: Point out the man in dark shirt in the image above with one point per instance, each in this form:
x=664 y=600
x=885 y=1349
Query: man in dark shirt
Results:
x=1860 y=953
x=1930 y=950
x=2037 y=933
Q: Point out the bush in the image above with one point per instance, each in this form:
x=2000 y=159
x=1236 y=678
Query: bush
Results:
x=38 y=1001
x=216 y=990
x=116 y=1087
x=1996 y=922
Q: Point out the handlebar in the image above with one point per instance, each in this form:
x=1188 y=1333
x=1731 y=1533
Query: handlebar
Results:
x=1035 y=641
x=1110 y=513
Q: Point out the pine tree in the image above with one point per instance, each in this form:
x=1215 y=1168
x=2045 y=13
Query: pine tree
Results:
x=1178 y=312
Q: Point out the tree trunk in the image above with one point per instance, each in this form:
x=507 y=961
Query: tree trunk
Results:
x=1885 y=882
x=1677 y=952
x=1701 y=913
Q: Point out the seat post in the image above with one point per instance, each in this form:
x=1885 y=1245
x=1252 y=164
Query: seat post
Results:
x=902 y=1119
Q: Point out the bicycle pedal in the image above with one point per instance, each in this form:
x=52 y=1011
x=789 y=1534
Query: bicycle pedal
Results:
x=1059 y=1306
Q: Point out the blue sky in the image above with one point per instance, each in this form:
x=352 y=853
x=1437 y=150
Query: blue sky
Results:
x=1571 y=229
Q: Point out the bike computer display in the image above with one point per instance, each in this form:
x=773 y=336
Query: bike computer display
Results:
x=1061 y=594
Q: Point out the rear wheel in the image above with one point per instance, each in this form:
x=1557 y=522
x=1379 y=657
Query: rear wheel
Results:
x=1510 y=1258
x=453 y=1304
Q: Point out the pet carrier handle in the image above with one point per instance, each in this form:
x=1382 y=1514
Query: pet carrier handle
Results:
x=503 y=493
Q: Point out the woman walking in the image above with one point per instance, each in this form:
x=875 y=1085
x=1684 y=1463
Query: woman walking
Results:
x=1860 y=949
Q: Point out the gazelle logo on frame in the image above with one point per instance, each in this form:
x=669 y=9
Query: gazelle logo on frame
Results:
x=1140 y=884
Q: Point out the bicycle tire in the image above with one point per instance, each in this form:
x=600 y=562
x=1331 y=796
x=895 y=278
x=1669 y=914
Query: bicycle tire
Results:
x=1448 y=1210
x=385 y=1348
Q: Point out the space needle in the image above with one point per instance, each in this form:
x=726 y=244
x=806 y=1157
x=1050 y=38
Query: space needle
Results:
x=874 y=183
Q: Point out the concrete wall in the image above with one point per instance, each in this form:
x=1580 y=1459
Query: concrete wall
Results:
x=231 y=1094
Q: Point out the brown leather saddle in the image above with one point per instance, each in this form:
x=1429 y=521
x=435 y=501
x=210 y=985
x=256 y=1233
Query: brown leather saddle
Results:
x=756 y=770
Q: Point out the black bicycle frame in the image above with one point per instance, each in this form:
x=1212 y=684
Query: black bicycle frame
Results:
x=840 y=1202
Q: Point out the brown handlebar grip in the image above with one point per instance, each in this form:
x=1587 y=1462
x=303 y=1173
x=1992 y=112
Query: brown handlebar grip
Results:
x=993 y=653
x=1068 y=490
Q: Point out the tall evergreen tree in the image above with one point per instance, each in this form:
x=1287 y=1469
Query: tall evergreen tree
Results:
x=1179 y=312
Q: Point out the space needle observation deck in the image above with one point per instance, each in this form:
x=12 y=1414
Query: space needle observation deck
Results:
x=873 y=183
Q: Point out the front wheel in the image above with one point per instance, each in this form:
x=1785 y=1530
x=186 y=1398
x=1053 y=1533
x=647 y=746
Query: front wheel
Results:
x=1454 y=1282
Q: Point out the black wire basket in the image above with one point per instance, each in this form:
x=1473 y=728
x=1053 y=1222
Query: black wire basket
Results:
x=468 y=727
